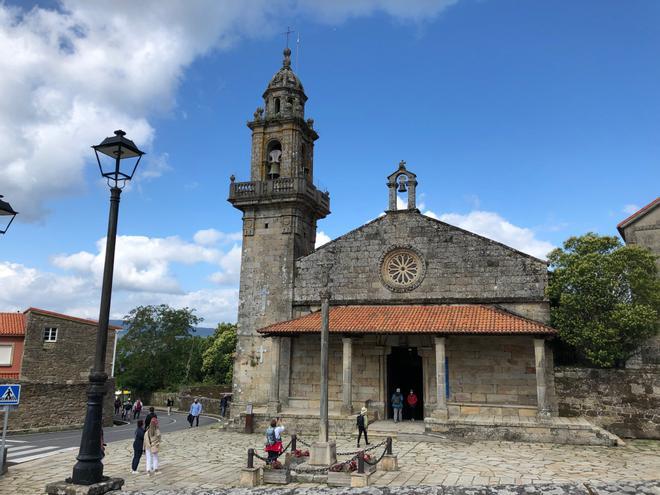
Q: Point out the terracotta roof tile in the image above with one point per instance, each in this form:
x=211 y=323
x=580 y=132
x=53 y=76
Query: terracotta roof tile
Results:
x=12 y=324
x=439 y=319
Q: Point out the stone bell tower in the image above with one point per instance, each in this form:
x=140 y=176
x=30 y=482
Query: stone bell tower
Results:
x=280 y=208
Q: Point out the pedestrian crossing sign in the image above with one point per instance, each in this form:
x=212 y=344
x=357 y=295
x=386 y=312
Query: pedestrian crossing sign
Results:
x=10 y=395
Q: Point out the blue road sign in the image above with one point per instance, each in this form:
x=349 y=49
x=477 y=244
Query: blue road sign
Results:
x=10 y=395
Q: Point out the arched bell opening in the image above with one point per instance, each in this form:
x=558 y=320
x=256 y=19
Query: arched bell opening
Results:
x=402 y=181
x=273 y=158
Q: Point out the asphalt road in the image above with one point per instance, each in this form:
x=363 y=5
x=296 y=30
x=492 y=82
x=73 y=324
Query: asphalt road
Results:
x=25 y=448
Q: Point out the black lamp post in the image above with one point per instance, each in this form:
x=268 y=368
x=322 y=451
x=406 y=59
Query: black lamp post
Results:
x=7 y=215
x=110 y=155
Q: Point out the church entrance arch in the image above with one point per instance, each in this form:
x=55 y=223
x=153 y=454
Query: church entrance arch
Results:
x=404 y=371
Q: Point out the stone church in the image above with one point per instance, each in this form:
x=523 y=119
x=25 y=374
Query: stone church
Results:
x=415 y=303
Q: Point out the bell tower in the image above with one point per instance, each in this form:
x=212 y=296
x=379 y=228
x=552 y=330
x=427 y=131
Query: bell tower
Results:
x=280 y=208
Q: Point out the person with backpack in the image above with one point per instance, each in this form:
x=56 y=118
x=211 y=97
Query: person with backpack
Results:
x=411 y=400
x=273 y=445
x=397 y=404
x=137 y=409
x=362 y=423
x=152 y=446
x=138 y=446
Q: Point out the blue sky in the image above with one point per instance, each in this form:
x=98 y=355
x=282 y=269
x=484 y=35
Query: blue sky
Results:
x=527 y=122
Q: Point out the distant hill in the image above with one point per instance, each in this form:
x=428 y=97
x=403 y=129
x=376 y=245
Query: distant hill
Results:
x=199 y=331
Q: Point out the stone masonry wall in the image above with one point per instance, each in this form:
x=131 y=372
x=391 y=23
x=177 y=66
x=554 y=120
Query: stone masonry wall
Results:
x=69 y=359
x=53 y=406
x=460 y=266
x=623 y=401
x=491 y=370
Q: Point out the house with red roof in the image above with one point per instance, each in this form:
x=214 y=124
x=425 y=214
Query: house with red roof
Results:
x=51 y=354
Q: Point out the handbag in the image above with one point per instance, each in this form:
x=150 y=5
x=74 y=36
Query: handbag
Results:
x=190 y=418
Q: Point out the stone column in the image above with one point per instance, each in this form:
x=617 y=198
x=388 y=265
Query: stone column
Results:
x=440 y=379
x=541 y=378
x=274 y=396
x=347 y=386
x=323 y=451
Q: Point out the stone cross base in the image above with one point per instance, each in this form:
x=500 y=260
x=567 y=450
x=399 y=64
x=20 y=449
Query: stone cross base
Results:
x=249 y=477
x=323 y=453
x=359 y=480
x=390 y=462
x=64 y=488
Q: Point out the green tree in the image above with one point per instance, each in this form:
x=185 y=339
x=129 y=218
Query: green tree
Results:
x=158 y=351
x=218 y=360
x=605 y=297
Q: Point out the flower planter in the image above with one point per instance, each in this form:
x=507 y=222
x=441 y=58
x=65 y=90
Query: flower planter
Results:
x=277 y=476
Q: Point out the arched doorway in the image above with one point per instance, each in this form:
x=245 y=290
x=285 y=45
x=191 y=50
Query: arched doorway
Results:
x=404 y=371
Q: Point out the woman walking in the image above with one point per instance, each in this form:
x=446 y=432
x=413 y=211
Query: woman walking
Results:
x=138 y=446
x=151 y=446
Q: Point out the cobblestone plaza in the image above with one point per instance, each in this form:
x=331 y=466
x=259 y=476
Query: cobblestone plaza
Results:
x=210 y=458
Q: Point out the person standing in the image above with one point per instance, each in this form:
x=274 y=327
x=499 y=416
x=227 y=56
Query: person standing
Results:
x=273 y=446
x=170 y=403
x=412 y=404
x=150 y=416
x=138 y=446
x=397 y=404
x=223 y=405
x=152 y=446
x=137 y=409
x=362 y=424
x=117 y=406
x=195 y=411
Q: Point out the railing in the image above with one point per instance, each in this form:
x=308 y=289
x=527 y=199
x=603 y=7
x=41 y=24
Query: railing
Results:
x=281 y=186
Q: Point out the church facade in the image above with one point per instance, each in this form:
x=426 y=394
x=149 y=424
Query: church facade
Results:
x=415 y=303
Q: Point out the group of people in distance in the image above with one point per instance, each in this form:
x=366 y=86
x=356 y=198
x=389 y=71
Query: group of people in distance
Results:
x=397 y=402
x=128 y=408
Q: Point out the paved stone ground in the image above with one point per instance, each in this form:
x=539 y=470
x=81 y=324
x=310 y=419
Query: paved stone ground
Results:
x=209 y=458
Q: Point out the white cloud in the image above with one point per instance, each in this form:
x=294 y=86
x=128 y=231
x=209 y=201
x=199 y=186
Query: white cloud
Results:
x=209 y=237
x=76 y=73
x=231 y=268
x=493 y=226
x=321 y=238
x=630 y=209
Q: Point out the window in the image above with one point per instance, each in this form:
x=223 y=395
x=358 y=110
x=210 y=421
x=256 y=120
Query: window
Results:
x=6 y=354
x=50 y=334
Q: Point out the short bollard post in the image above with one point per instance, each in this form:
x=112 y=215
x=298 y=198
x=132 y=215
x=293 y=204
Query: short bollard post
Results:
x=360 y=478
x=390 y=461
x=250 y=474
x=294 y=441
x=361 y=462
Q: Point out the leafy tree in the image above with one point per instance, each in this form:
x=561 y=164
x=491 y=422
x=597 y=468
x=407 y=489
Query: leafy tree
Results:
x=158 y=350
x=605 y=297
x=218 y=361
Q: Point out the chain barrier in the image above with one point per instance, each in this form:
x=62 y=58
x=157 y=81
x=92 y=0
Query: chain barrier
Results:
x=303 y=442
x=379 y=459
x=384 y=442
x=266 y=459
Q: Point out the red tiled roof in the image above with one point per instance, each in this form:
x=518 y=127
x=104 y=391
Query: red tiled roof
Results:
x=440 y=319
x=12 y=324
x=638 y=213
x=67 y=317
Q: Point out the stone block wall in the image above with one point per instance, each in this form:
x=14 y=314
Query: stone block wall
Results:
x=623 y=401
x=460 y=266
x=53 y=406
x=69 y=359
x=491 y=370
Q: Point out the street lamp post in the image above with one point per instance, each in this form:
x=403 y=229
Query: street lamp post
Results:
x=7 y=215
x=89 y=468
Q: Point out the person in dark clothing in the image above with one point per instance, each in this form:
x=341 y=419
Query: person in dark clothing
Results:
x=117 y=406
x=149 y=417
x=138 y=446
x=223 y=405
x=362 y=423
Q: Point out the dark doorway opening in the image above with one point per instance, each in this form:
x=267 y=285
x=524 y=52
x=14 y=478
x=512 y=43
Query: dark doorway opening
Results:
x=404 y=371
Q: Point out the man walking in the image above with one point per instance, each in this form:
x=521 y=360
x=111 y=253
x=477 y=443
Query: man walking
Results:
x=137 y=409
x=170 y=403
x=195 y=411
x=223 y=406
x=397 y=404
x=150 y=416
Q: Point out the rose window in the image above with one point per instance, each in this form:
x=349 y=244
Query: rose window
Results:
x=402 y=269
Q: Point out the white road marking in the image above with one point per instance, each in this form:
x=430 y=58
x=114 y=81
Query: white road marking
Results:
x=39 y=456
x=11 y=453
x=15 y=441
x=15 y=448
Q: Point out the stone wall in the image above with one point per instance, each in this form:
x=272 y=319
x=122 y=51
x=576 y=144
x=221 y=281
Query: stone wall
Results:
x=460 y=266
x=69 y=359
x=623 y=401
x=491 y=370
x=53 y=406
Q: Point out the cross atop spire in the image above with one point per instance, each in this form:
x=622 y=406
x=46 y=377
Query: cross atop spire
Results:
x=287 y=33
